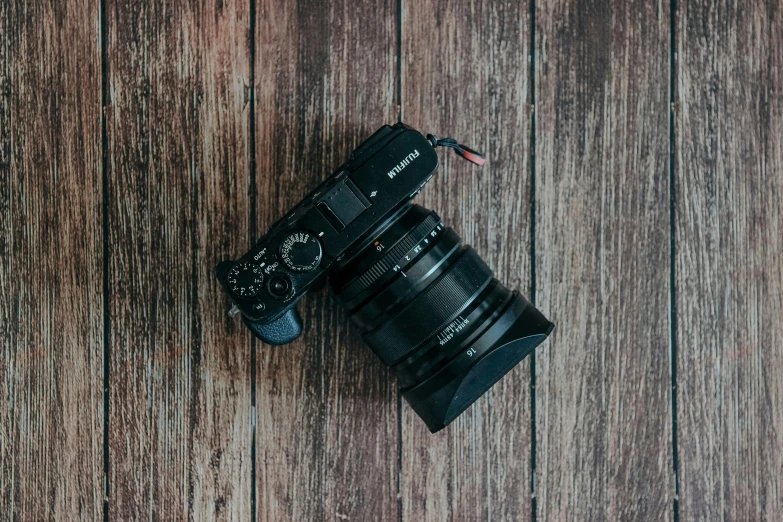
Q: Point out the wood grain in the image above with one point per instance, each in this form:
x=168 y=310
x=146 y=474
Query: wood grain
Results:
x=729 y=273
x=7 y=349
x=179 y=173
x=217 y=123
x=51 y=353
x=327 y=436
x=465 y=74
x=604 y=449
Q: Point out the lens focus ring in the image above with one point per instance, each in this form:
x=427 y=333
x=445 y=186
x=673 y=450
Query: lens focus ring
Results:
x=432 y=310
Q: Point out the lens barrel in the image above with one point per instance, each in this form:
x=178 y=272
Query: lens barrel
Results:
x=430 y=308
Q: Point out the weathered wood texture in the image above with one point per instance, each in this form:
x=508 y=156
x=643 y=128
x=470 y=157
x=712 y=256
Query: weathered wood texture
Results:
x=327 y=436
x=51 y=357
x=728 y=265
x=178 y=180
x=603 y=408
x=465 y=74
x=216 y=122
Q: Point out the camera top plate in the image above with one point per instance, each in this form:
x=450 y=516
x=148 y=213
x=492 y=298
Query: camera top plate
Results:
x=294 y=256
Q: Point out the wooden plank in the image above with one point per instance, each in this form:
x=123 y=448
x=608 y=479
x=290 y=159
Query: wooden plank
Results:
x=7 y=348
x=729 y=274
x=178 y=138
x=51 y=352
x=5 y=94
x=465 y=74
x=603 y=411
x=327 y=438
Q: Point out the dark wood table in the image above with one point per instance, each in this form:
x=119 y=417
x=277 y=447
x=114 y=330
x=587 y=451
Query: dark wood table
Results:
x=633 y=190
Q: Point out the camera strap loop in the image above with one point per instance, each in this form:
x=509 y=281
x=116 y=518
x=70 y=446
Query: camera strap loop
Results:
x=464 y=151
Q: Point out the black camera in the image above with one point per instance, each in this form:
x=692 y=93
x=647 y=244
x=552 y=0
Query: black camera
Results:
x=428 y=305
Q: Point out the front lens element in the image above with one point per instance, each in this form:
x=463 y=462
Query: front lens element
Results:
x=431 y=309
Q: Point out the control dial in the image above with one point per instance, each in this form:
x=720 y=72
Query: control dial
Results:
x=301 y=251
x=245 y=279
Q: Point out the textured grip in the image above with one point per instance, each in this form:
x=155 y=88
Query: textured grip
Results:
x=432 y=310
x=282 y=331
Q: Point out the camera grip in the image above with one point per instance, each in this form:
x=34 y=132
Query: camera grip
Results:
x=281 y=331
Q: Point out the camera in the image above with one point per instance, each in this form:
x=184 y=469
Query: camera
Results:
x=427 y=305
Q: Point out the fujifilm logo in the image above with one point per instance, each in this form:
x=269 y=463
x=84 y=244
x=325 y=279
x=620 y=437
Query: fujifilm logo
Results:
x=407 y=160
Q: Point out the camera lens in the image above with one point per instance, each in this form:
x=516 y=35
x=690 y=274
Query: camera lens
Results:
x=430 y=308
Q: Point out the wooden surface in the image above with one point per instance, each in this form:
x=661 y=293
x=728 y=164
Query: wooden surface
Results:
x=729 y=261
x=51 y=285
x=634 y=190
x=602 y=260
x=177 y=177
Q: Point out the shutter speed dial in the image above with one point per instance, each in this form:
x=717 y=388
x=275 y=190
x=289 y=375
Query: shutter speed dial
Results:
x=245 y=279
x=301 y=251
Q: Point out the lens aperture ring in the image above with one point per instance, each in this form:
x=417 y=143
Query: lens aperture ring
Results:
x=397 y=257
x=432 y=310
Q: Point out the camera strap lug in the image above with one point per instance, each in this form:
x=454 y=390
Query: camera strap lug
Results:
x=463 y=150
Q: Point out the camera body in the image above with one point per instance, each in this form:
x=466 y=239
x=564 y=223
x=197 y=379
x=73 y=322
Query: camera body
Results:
x=428 y=306
x=294 y=256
